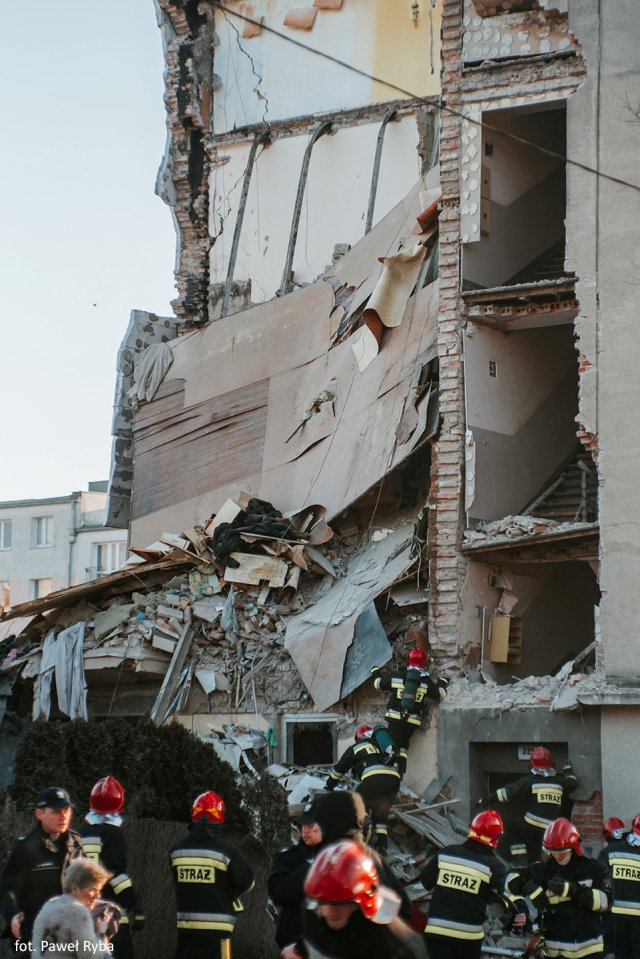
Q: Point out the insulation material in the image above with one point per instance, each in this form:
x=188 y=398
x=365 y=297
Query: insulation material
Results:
x=318 y=639
x=301 y=18
x=370 y=645
x=254 y=29
x=149 y=372
x=389 y=299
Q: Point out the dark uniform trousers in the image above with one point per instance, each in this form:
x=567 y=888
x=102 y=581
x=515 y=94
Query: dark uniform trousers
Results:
x=464 y=878
x=623 y=860
x=33 y=874
x=571 y=914
x=209 y=874
x=104 y=843
x=379 y=783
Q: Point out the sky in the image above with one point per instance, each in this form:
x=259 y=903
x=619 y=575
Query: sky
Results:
x=83 y=238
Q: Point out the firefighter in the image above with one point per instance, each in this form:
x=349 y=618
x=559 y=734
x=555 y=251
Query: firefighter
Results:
x=569 y=891
x=612 y=830
x=464 y=878
x=411 y=688
x=33 y=873
x=209 y=875
x=623 y=859
x=546 y=792
x=377 y=770
x=102 y=841
x=349 y=913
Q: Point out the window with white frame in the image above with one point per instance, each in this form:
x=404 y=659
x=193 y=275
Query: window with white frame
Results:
x=109 y=557
x=5 y=594
x=39 y=588
x=42 y=531
x=5 y=533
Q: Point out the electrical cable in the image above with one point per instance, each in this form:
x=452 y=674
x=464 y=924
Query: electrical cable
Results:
x=429 y=101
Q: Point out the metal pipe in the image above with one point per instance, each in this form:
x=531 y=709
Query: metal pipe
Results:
x=319 y=130
x=389 y=115
x=262 y=137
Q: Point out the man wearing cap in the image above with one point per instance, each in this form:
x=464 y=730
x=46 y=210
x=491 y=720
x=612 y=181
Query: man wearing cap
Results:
x=33 y=873
x=288 y=872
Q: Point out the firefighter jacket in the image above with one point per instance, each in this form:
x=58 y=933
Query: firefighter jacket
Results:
x=464 y=879
x=570 y=899
x=546 y=791
x=623 y=860
x=286 y=889
x=426 y=689
x=209 y=875
x=359 y=939
x=366 y=760
x=104 y=842
x=33 y=873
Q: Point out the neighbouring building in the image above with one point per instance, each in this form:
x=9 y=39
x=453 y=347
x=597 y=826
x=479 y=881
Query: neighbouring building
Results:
x=405 y=309
x=48 y=544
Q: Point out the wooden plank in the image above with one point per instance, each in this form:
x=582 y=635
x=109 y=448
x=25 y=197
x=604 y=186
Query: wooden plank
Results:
x=172 y=676
x=254 y=570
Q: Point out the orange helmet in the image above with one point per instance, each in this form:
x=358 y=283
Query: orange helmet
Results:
x=346 y=872
x=541 y=758
x=417 y=658
x=560 y=835
x=635 y=825
x=612 y=826
x=486 y=827
x=362 y=732
x=208 y=807
x=107 y=796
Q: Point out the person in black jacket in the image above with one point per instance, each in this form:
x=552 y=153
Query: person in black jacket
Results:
x=102 y=841
x=411 y=689
x=464 y=878
x=350 y=914
x=33 y=873
x=569 y=891
x=547 y=791
x=288 y=872
x=623 y=860
x=612 y=830
x=379 y=780
x=209 y=875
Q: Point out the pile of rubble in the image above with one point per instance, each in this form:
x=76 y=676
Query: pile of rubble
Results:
x=513 y=527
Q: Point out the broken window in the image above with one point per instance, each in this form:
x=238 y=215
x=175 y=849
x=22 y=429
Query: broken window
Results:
x=514 y=198
x=309 y=740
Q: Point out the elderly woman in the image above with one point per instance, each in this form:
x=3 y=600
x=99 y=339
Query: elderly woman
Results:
x=69 y=919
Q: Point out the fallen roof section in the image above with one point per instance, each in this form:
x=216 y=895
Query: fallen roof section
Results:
x=545 y=542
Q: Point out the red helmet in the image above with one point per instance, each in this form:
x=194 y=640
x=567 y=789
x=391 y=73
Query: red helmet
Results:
x=362 y=732
x=208 y=807
x=346 y=872
x=561 y=834
x=486 y=827
x=635 y=825
x=613 y=825
x=107 y=796
x=418 y=658
x=541 y=758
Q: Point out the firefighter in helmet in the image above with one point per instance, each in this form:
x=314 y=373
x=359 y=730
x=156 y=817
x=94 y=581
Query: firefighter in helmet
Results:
x=613 y=829
x=411 y=688
x=209 y=875
x=464 y=879
x=350 y=913
x=570 y=891
x=373 y=761
x=102 y=841
x=546 y=791
x=623 y=860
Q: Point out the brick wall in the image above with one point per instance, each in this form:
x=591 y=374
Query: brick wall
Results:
x=587 y=816
x=446 y=565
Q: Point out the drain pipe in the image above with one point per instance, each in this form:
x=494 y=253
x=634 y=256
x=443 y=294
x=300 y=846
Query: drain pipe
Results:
x=262 y=137
x=323 y=127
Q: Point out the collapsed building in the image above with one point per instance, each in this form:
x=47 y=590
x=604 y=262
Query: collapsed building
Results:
x=398 y=320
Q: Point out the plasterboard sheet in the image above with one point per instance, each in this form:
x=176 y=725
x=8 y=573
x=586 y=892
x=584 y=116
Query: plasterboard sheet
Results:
x=318 y=639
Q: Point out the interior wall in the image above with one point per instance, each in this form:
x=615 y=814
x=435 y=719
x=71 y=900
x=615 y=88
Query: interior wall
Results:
x=522 y=419
x=525 y=191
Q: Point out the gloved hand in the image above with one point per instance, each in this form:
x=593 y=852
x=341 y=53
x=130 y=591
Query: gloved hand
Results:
x=561 y=887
